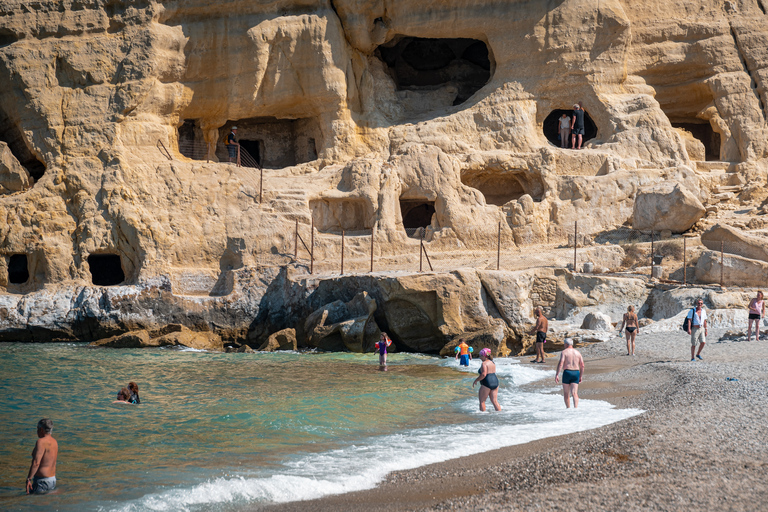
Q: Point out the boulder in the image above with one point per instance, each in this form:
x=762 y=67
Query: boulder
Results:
x=192 y=339
x=339 y=325
x=597 y=322
x=245 y=349
x=13 y=176
x=735 y=241
x=133 y=339
x=493 y=337
x=280 y=340
x=736 y=271
x=666 y=206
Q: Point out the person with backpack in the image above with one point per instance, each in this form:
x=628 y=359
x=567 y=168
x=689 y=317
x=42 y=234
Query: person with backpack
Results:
x=696 y=326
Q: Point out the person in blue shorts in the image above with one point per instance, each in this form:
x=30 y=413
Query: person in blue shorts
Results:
x=463 y=353
x=232 y=144
x=573 y=371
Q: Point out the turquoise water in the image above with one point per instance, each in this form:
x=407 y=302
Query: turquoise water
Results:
x=230 y=431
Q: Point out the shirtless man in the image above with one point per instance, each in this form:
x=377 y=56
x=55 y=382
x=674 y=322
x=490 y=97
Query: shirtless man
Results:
x=540 y=329
x=42 y=472
x=573 y=370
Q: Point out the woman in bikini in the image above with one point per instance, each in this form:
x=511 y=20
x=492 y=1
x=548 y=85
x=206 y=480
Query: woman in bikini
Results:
x=756 y=311
x=630 y=323
x=489 y=383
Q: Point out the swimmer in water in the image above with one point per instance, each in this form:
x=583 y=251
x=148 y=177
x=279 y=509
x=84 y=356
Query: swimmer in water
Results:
x=123 y=396
x=381 y=346
x=134 y=390
x=489 y=383
x=463 y=353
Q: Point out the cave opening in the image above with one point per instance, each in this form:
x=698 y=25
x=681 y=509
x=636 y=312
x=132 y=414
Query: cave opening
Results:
x=417 y=63
x=552 y=121
x=106 y=269
x=18 y=269
x=703 y=132
x=416 y=213
x=191 y=140
x=499 y=187
x=273 y=143
x=14 y=138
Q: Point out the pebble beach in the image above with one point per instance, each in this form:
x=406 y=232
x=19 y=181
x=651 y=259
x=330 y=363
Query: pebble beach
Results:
x=699 y=445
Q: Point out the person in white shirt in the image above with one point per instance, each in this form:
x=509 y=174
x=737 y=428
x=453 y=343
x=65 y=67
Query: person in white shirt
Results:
x=697 y=328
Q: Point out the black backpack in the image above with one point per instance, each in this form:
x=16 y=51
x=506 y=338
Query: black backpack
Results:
x=687 y=321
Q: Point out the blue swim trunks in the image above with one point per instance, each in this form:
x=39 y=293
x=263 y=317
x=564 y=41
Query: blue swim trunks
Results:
x=43 y=485
x=571 y=376
x=464 y=360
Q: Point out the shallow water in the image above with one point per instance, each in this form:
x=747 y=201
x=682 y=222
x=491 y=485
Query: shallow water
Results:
x=229 y=431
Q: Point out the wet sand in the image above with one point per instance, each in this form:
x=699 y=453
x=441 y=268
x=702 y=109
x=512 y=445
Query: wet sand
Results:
x=700 y=445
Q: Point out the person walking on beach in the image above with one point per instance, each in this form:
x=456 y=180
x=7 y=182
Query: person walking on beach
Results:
x=42 y=472
x=572 y=365
x=697 y=328
x=489 y=383
x=632 y=326
x=756 y=312
x=540 y=329
x=381 y=346
x=577 y=126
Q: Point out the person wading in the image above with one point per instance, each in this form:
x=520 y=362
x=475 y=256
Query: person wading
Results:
x=42 y=472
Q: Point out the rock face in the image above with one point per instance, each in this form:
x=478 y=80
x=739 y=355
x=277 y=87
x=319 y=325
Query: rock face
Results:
x=735 y=270
x=395 y=116
x=173 y=335
x=735 y=241
x=667 y=206
x=281 y=340
x=597 y=322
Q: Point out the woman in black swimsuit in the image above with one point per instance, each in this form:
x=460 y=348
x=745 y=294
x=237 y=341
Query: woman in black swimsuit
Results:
x=489 y=383
x=630 y=323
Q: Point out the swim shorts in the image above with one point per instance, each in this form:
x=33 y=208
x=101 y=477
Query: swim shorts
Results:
x=464 y=360
x=541 y=337
x=754 y=316
x=232 y=150
x=577 y=131
x=43 y=485
x=571 y=376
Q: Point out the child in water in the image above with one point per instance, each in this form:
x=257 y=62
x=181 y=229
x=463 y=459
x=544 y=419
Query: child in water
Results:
x=381 y=346
x=463 y=353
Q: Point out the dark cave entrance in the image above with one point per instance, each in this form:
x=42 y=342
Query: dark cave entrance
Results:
x=191 y=141
x=417 y=213
x=18 y=269
x=11 y=135
x=106 y=269
x=551 y=131
x=419 y=63
x=253 y=147
x=500 y=187
x=706 y=135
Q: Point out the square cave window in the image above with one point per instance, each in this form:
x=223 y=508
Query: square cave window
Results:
x=18 y=269
x=106 y=269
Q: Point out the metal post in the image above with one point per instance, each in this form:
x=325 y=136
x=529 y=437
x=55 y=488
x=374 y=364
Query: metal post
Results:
x=373 y=230
x=342 y=252
x=312 y=248
x=261 y=182
x=421 y=250
x=296 y=242
x=685 y=270
x=721 y=263
x=575 y=243
x=651 y=253
x=238 y=155
x=498 y=248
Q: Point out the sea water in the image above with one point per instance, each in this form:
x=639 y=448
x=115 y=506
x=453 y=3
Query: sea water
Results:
x=228 y=432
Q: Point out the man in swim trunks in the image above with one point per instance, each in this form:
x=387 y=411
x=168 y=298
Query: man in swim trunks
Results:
x=577 y=126
x=42 y=472
x=540 y=329
x=463 y=354
x=573 y=370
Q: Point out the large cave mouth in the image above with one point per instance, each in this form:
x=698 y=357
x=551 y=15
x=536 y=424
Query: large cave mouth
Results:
x=703 y=132
x=500 y=187
x=106 y=269
x=11 y=135
x=416 y=213
x=273 y=143
x=18 y=269
x=552 y=121
x=417 y=63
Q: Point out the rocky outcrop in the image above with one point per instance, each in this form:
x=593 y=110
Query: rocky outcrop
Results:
x=280 y=340
x=597 y=322
x=340 y=326
x=667 y=206
x=170 y=336
x=734 y=270
x=13 y=176
x=735 y=241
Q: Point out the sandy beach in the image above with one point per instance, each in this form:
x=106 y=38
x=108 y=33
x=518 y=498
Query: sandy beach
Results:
x=700 y=445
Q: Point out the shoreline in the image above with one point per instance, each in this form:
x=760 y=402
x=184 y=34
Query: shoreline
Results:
x=668 y=447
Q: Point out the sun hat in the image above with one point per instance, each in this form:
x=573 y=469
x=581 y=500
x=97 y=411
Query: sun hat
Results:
x=485 y=352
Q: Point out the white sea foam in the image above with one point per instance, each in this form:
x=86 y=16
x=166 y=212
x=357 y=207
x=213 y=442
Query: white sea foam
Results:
x=526 y=416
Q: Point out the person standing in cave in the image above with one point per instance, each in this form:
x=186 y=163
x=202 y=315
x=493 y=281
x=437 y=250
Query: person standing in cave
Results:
x=577 y=126
x=232 y=144
x=565 y=130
